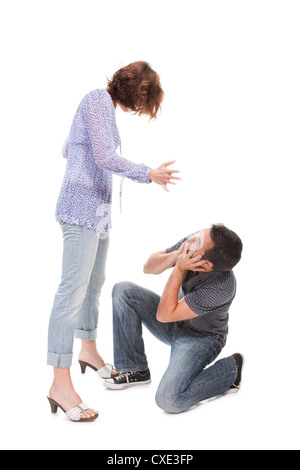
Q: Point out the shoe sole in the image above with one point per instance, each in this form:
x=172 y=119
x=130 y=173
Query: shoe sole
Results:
x=113 y=386
x=231 y=391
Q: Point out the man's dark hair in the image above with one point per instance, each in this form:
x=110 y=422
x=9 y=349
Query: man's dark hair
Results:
x=227 y=250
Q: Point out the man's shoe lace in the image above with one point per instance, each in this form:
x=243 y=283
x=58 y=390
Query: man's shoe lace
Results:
x=124 y=375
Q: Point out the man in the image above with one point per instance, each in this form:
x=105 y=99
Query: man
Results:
x=191 y=317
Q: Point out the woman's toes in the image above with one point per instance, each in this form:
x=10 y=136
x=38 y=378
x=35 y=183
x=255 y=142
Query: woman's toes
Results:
x=89 y=414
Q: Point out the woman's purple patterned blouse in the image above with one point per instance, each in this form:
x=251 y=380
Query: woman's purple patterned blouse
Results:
x=92 y=158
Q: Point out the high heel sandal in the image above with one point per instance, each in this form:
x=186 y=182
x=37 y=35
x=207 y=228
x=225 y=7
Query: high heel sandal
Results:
x=75 y=413
x=104 y=373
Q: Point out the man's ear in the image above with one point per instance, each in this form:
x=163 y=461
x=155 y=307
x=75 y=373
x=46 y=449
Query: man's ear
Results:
x=208 y=266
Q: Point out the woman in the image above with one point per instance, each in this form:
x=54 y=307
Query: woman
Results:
x=83 y=210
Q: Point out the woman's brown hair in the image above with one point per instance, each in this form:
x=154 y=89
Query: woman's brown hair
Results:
x=138 y=88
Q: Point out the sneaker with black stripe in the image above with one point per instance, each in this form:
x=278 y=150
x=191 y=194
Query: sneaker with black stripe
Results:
x=128 y=379
x=240 y=361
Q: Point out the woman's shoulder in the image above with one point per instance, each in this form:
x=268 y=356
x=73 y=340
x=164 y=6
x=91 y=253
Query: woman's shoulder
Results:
x=98 y=102
x=99 y=95
x=97 y=107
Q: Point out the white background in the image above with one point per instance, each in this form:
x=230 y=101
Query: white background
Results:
x=230 y=119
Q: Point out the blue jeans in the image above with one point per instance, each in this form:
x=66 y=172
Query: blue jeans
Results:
x=187 y=380
x=76 y=305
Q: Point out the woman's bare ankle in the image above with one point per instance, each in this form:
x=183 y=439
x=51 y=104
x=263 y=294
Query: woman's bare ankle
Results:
x=89 y=354
x=62 y=389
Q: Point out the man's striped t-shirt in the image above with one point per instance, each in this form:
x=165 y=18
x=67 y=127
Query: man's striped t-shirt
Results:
x=210 y=296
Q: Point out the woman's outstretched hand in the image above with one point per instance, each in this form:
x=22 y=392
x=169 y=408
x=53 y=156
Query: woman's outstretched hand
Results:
x=163 y=175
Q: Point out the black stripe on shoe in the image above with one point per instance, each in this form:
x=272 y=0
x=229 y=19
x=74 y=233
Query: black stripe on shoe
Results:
x=239 y=360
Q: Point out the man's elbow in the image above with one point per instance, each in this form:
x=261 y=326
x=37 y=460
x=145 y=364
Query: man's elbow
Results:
x=163 y=317
x=148 y=269
x=148 y=266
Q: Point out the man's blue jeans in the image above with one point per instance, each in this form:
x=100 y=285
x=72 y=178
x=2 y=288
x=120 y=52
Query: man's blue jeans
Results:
x=187 y=380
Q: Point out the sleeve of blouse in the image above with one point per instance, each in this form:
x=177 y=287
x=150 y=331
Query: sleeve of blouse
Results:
x=65 y=148
x=99 y=122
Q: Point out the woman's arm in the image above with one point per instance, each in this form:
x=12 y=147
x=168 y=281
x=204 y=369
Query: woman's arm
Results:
x=100 y=123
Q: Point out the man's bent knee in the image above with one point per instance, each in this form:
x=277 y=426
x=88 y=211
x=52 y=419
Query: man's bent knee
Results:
x=169 y=403
x=120 y=289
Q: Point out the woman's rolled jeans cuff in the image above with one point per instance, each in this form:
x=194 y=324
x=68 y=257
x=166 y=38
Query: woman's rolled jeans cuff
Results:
x=86 y=335
x=63 y=362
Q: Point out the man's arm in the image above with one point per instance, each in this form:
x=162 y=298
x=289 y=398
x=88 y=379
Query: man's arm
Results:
x=160 y=262
x=169 y=309
x=163 y=260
